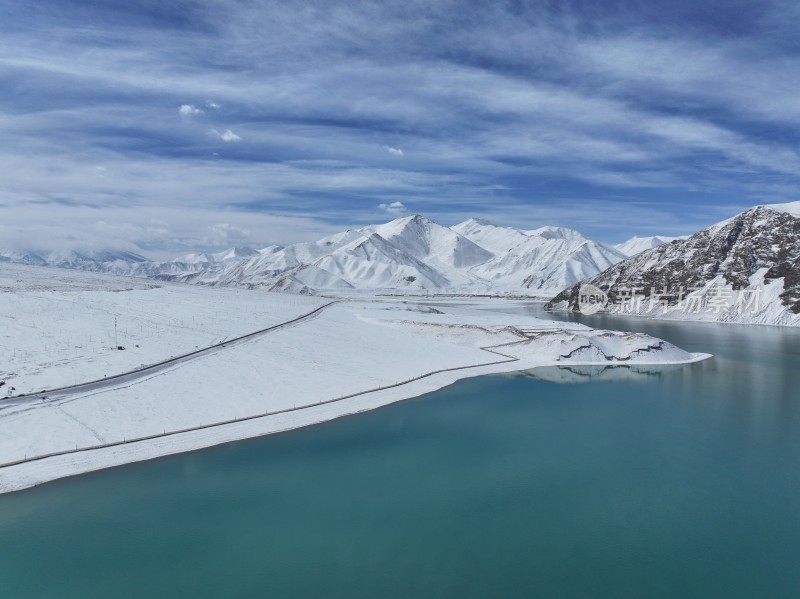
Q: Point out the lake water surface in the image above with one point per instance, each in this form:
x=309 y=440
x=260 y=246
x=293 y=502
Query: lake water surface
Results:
x=671 y=482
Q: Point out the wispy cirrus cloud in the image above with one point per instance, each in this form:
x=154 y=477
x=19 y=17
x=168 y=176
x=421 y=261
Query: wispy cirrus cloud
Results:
x=495 y=109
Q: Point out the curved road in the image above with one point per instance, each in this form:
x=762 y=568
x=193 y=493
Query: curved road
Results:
x=36 y=458
x=146 y=371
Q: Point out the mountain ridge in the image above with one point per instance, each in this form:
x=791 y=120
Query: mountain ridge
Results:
x=711 y=275
x=411 y=252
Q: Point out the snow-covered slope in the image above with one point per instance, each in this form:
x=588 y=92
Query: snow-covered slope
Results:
x=549 y=232
x=745 y=269
x=409 y=253
x=542 y=261
x=375 y=263
x=431 y=242
x=636 y=245
x=415 y=253
x=497 y=240
x=546 y=265
x=792 y=208
x=234 y=253
x=406 y=253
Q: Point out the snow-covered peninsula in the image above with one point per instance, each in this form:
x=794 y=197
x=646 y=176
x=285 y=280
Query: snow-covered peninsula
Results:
x=191 y=375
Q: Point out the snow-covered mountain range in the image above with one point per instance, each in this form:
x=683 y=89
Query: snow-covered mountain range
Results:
x=95 y=261
x=411 y=253
x=745 y=269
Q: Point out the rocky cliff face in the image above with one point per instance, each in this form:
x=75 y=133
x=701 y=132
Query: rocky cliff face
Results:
x=752 y=257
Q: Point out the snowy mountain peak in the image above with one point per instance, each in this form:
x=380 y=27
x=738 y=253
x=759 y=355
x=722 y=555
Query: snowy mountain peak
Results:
x=414 y=222
x=425 y=239
x=549 y=232
x=494 y=238
x=635 y=245
x=234 y=253
x=471 y=223
x=792 y=208
x=193 y=259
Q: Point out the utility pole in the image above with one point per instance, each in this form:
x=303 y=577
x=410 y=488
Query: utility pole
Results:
x=116 y=341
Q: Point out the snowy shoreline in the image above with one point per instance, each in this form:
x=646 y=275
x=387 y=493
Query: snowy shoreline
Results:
x=355 y=355
x=40 y=470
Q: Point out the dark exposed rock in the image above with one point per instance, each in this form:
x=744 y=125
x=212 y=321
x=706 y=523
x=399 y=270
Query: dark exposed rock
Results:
x=759 y=238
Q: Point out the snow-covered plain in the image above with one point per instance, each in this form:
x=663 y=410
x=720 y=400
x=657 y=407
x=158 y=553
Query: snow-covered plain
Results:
x=57 y=326
x=352 y=356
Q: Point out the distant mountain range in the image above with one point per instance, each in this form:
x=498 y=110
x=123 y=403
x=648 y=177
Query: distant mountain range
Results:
x=98 y=261
x=745 y=269
x=411 y=253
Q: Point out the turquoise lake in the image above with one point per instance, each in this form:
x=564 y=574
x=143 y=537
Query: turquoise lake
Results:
x=663 y=482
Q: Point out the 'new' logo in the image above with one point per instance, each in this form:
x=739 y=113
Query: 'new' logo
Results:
x=591 y=299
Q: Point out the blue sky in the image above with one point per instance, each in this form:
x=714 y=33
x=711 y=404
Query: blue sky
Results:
x=161 y=126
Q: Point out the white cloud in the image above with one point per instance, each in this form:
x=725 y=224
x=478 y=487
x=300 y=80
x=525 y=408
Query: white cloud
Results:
x=227 y=135
x=393 y=207
x=213 y=105
x=394 y=151
x=189 y=110
x=226 y=232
